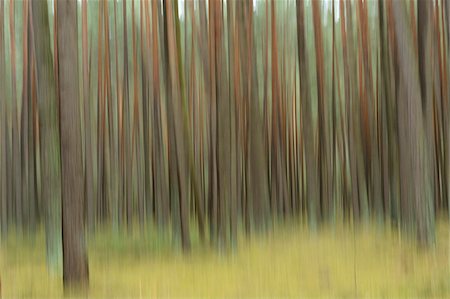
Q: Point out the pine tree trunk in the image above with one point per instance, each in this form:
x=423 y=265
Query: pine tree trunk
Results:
x=49 y=133
x=3 y=130
x=75 y=266
x=415 y=174
x=312 y=179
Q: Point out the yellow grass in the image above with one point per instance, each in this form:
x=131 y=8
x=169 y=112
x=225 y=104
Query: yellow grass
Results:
x=288 y=262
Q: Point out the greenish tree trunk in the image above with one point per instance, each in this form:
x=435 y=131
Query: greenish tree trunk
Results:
x=312 y=179
x=3 y=128
x=49 y=133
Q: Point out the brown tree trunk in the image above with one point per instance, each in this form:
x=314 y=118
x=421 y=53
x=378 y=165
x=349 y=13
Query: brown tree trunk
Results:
x=323 y=147
x=89 y=188
x=213 y=185
x=178 y=146
x=75 y=265
x=447 y=118
x=231 y=23
x=24 y=147
x=223 y=123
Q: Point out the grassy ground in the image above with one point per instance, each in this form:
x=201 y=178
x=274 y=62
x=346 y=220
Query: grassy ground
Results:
x=289 y=262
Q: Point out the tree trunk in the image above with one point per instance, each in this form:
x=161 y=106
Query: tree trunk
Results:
x=223 y=122
x=75 y=266
x=415 y=176
x=3 y=129
x=160 y=179
x=323 y=147
x=49 y=133
x=89 y=188
x=312 y=179
x=177 y=147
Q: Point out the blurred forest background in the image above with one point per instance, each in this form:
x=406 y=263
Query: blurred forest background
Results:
x=224 y=148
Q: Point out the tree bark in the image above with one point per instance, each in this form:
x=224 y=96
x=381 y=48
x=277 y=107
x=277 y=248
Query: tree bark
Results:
x=49 y=133
x=89 y=188
x=414 y=157
x=312 y=179
x=75 y=265
x=178 y=146
x=3 y=129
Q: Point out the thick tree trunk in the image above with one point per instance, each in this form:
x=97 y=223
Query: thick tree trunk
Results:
x=74 y=252
x=75 y=265
x=178 y=148
x=415 y=174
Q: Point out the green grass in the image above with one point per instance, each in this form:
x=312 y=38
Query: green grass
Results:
x=290 y=261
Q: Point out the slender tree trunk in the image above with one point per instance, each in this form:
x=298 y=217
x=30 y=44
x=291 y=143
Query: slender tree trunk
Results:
x=278 y=169
x=3 y=129
x=89 y=188
x=323 y=147
x=159 y=171
x=146 y=86
x=233 y=136
x=135 y=130
x=312 y=179
x=49 y=134
x=24 y=116
x=447 y=136
x=29 y=131
x=110 y=135
x=126 y=141
x=359 y=205
x=35 y=206
x=223 y=122
x=213 y=185
x=16 y=158
x=118 y=157
x=101 y=187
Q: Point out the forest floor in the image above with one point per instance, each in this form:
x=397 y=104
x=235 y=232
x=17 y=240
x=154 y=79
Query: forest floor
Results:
x=290 y=261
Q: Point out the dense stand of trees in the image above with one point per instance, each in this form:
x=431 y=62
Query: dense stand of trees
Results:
x=212 y=117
